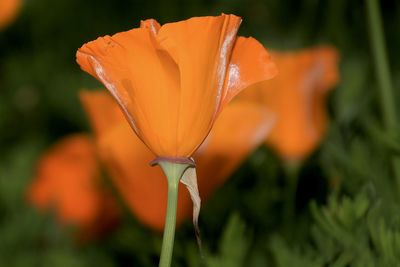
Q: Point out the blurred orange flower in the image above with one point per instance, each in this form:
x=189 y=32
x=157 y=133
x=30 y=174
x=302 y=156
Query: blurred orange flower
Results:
x=240 y=128
x=8 y=11
x=298 y=99
x=68 y=181
x=172 y=81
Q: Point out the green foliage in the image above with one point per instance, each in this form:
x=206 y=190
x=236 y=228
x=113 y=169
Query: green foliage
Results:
x=347 y=232
x=233 y=246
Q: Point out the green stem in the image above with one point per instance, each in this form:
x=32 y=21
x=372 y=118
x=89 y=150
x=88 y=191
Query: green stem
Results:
x=382 y=70
x=173 y=172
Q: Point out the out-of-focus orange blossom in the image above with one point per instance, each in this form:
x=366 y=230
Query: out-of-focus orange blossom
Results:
x=297 y=96
x=239 y=130
x=8 y=11
x=68 y=182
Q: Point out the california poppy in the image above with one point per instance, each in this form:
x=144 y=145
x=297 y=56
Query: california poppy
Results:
x=8 y=11
x=298 y=98
x=241 y=127
x=68 y=181
x=171 y=81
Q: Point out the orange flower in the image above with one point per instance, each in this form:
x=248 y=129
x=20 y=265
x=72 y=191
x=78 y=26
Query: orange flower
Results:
x=68 y=180
x=298 y=99
x=8 y=11
x=240 y=128
x=171 y=81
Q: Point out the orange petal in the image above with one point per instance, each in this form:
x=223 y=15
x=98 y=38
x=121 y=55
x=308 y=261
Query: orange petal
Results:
x=241 y=127
x=169 y=80
x=151 y=24
x=8 y=11
x=143 y=79
x=67 y=180
x=201 y=46
x=297 y=96
x=250 y=63
x=102 y=110
x=127 y=160
x=239 y=130
x=328 y=58
x=143 y=188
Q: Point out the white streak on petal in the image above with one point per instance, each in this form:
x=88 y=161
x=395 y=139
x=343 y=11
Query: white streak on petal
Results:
x=223 y=59
x=122 y=98
x=153 y=29
x=233 y=75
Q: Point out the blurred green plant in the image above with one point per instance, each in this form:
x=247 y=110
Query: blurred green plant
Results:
x=347 y=232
